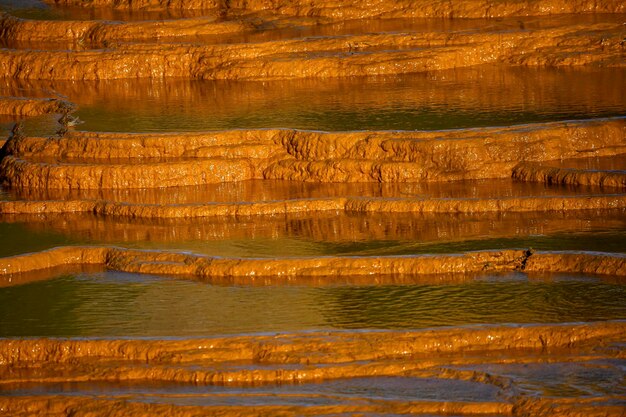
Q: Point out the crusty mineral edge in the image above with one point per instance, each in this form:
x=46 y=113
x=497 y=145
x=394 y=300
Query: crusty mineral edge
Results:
x=61 y=406
x=24 y=174
x=334 y=204
x=53 y=406
x=382 y=347
x=33 y=106
x=79 y=407
x=354 y=9
x=569 y=176
x=104 y=32
x=302 y=155
x=304 y=357
x=527 y=142
x=378 y=54
x=206 y=267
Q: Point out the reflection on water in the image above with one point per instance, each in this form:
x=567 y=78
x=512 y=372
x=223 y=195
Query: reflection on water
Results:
x=323 y=393
x=595 y=378
x=469 y=97
x=323 y=233
x=39 y=10
x=273 y=190
x=43 y=125
x=611 y=163
x=119 y=304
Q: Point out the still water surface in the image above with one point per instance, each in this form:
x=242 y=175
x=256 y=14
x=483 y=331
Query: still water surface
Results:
x=335 y=392
x=462 y=98
x=323 y=234
x=120 y=304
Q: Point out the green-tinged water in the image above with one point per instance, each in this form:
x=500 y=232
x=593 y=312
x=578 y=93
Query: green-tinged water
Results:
x=327 y=393
x=323 y=234
x=470 y=97
x=469 y=375
x=111 y=304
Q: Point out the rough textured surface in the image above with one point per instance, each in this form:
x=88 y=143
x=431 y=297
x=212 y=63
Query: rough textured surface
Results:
x=207 y=268
x=338 y=204
x=195 y=159
x=569 y=176
x=301 y=358
x=354 y=9
x=344 y=56
x=90 y=175
x=312 y=348
x=33 y=106
x=106 y=33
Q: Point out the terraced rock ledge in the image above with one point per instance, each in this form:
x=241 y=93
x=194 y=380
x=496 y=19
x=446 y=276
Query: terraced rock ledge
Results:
x=314 y=357
x=116 y=160
x=383 y=209
x=208 y=268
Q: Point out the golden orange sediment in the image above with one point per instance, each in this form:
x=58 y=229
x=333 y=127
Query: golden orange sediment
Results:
x=19 y=106
x=59 y=406
x=54 y=406
x=96 y=33
x=207 y=268
x=307 y=357
x=345 y=56
x=354 y=9
x=338 y=204
x=570 y=176
x=331 y=347
x=127 y=187
x=299 y=155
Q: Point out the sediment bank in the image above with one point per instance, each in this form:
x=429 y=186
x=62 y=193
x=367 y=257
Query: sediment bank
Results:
x=338 y=204
x=354 y=9
x=316 y=347
x=312 y=357
x=20 y=106
x=299 y=155
x=569 y=176
x=105 y=33
x=344 y=56
x=510 y=369
x=206 y=267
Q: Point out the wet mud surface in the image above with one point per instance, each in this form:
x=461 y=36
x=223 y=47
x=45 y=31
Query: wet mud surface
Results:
x=312 y=208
